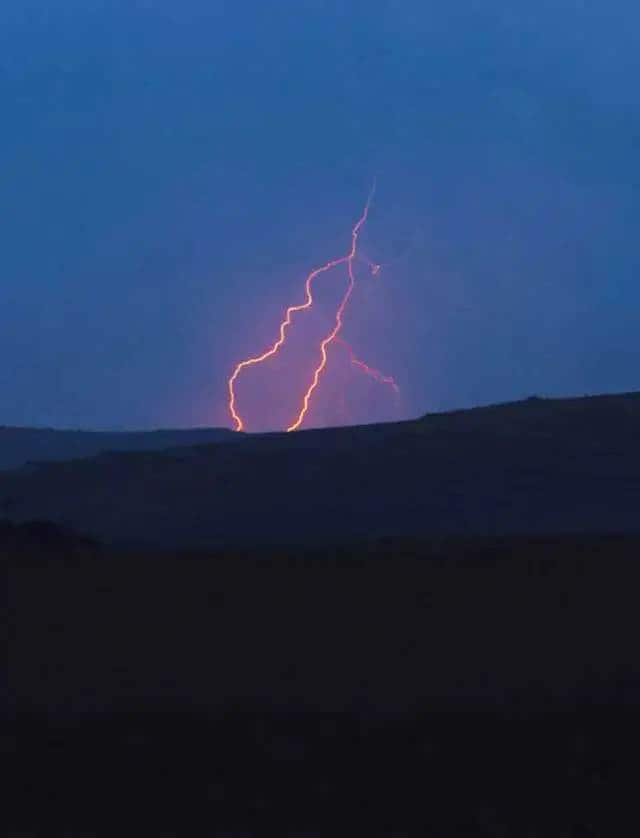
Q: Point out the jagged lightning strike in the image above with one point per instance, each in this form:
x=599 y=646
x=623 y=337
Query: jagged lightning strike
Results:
x=333 y=335
x=372 y=372
x=269 y=353
x=355 y=233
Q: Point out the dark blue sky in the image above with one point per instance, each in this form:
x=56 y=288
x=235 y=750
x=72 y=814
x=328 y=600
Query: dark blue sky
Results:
x=170 y=171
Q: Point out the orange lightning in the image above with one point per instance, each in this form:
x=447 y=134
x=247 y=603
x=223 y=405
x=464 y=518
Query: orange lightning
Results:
x=269 y=353
x=287 y=320
x=333 y=334
x=370 y=371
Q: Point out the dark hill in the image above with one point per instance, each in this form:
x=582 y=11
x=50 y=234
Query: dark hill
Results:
x=484 y=686
x=537 y=466
x=42 y=539
x=19 y=446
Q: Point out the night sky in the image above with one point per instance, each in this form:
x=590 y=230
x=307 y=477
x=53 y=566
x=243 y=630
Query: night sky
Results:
x=171 y=171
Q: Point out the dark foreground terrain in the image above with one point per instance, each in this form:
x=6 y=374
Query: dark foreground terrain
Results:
x=19 y=446
x=445 y=687
x=252 y=773
x=537 y=466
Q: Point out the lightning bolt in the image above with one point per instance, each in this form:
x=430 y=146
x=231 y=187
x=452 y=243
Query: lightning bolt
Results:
x=333 y=335
x=367 y=370
x=272 y=350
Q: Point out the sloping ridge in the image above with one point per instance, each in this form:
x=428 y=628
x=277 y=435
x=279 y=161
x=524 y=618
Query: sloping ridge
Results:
x=535 y=466
x=19 y=446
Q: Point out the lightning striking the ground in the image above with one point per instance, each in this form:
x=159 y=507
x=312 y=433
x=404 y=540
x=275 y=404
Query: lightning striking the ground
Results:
x=333 y=334
x=273 y=350
x=331 y=337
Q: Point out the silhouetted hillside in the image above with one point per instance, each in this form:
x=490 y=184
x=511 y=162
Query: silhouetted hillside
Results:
x=19 y=446
x=42 y=539
x=537 y=466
